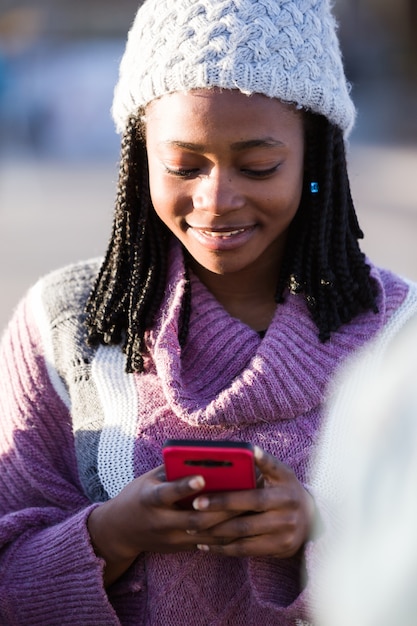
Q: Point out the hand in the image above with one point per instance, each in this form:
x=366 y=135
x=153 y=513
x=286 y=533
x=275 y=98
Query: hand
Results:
x=144 y=516
x=273 y=521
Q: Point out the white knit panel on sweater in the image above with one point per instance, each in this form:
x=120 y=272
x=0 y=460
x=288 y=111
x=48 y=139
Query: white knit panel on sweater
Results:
x=118 y=396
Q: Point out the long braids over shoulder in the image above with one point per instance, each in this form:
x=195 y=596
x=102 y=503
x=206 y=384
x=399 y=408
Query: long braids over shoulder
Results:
x=322 y=259
x=131 y=281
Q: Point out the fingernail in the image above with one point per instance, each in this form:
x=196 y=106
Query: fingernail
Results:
x=197 y=482
x=200 y=503
x=202 y=547
x=258 y=453
x=191 y=532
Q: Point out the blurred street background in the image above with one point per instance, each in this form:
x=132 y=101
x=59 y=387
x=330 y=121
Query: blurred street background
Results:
x=59 y=152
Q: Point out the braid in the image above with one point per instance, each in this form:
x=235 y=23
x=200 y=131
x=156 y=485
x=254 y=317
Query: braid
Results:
x=323 y=259
x=131 y=282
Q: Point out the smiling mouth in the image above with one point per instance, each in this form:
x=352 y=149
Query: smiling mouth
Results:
x=221 y=234
x=222 y=239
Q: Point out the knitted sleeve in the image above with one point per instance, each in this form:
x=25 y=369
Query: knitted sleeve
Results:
x=49 y=572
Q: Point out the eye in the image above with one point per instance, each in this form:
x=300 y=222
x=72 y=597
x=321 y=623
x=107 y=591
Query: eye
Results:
x=261 y=173
x=181 y=172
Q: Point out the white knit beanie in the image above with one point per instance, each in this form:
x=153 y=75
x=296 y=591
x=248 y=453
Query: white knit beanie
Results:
x=285 y=49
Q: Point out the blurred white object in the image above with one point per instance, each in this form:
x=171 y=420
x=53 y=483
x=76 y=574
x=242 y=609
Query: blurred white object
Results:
x=369 y=574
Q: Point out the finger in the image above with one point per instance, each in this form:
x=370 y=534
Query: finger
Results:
x=252 y=525
x=170 y=493
x=250 y=547
x=271 y=467
x=175 y=499
x=257 y=535
x=247 y=500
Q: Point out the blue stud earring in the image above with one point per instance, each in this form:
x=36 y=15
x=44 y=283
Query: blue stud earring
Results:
x=314 y=187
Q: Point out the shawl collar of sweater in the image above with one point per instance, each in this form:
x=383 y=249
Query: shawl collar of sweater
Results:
x=227 y=375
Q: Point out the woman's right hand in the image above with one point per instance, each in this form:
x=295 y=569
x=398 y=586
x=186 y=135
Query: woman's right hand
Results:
x=145 y=516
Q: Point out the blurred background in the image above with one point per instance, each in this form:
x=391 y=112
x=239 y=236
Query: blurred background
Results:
x=59 y=151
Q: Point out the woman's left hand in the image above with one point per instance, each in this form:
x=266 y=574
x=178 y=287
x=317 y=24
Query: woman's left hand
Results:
x=275 y=520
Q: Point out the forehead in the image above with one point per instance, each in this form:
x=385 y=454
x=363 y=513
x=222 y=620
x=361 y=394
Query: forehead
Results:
x=225 y=112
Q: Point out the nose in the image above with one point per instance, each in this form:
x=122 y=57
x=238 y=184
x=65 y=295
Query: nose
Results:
x=218 y=192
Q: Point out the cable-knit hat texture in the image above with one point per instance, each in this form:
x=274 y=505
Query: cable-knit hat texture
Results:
x=285 y=49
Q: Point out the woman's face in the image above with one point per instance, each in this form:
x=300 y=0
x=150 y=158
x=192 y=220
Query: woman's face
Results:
x=226 y=176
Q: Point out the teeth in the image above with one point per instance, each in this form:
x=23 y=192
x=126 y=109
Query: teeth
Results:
x=223 y=234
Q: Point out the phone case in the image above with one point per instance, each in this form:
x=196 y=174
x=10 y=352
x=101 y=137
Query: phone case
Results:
x=225 y=465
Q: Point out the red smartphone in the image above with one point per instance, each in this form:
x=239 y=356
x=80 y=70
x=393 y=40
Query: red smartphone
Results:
x=225 y=465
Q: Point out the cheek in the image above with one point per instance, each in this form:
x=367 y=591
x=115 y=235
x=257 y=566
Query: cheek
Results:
x=295 y=187
x=286 y=197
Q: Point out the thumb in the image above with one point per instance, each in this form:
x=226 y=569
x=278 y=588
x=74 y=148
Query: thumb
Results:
x=270 y=467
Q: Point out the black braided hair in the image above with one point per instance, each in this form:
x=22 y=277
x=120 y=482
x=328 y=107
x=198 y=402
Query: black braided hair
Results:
x=131 y=281
x=322 y=258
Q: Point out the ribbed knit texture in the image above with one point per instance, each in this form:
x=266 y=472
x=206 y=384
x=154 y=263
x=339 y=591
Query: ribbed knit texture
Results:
x=285 y=49
x=75 y=429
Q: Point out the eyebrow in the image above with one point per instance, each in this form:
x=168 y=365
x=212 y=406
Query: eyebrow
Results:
x=267 y=142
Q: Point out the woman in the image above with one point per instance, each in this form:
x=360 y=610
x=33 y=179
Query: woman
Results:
x=232 y=288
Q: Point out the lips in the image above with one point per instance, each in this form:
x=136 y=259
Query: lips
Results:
x=221 y=233
x=225 y=238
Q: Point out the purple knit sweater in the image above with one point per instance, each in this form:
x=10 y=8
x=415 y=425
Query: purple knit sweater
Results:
x=75 y=429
